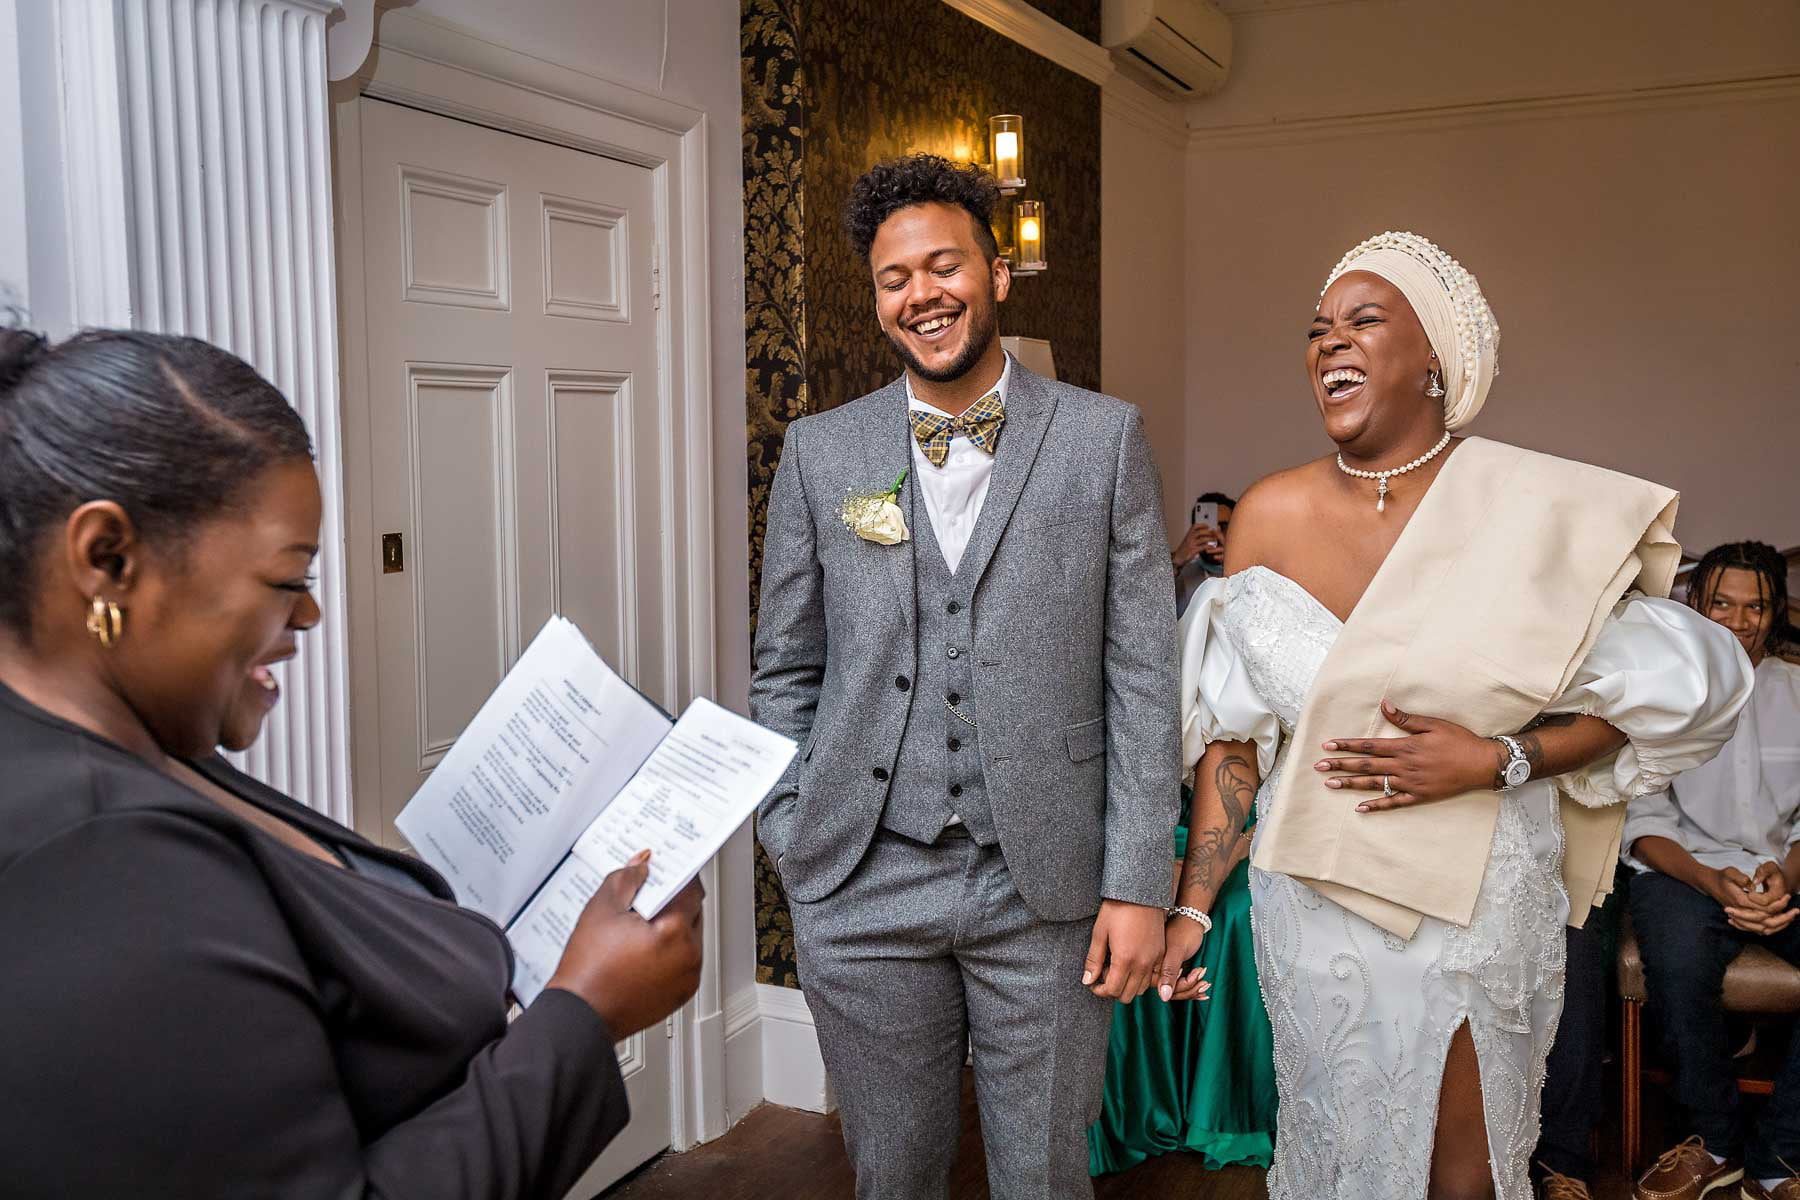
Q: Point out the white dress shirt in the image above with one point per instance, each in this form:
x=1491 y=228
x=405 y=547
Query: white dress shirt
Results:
x=1743 y=808
x=955 y=491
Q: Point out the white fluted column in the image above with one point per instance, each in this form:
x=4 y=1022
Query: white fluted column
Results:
x=198 y=143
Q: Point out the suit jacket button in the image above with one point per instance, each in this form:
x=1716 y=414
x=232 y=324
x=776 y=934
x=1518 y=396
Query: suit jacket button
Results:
x=903 y=683
x=955 y=789
x=954 y=698
x=954 y=652
x=953 y=608
x=955 y=744
x=880 y=774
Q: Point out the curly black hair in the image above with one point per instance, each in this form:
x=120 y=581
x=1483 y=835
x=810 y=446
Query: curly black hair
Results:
x=899 y=183
x=1771 y=571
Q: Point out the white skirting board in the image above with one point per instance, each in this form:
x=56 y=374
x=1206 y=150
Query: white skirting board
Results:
x=743 y=1054
x=772 y=1053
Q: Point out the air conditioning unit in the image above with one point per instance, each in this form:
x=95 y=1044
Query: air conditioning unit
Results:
x=1183 y=45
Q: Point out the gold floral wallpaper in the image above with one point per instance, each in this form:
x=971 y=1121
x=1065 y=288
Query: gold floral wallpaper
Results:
x=830 y=88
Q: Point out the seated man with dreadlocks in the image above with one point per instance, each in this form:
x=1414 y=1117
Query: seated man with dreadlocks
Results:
x=1719 y=859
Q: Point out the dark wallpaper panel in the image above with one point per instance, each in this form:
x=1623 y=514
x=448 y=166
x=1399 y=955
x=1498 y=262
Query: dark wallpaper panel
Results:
x=830 y=88
x=892 y=77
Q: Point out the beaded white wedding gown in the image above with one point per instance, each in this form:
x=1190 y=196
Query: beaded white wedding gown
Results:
x=1362 y=1019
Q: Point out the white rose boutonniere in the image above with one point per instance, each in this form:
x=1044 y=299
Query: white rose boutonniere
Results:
x=875 y=517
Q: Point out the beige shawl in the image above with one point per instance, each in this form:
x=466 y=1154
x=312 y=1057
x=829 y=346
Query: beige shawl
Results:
x=1481 y=615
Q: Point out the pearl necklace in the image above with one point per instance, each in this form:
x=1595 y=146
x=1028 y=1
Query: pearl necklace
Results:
x=1383 y=476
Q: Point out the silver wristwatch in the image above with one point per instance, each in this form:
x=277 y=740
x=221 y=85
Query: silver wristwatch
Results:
x=1517 y=771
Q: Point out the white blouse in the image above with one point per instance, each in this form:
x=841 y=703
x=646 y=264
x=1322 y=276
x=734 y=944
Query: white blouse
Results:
x=1654 y=673
x=1741 y=809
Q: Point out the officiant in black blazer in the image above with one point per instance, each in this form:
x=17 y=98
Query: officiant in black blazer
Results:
x=207 y=988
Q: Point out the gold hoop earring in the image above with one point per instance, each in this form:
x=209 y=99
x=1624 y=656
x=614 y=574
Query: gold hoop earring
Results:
x=106 y=622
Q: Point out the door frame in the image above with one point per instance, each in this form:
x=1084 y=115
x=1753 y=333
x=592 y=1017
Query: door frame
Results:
x=436 y=68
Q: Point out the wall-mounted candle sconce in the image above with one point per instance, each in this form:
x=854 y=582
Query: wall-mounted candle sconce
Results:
x=1030 y=232
x=1006 y=143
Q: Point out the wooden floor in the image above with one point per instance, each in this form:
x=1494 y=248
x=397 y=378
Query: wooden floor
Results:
x=794 y=1155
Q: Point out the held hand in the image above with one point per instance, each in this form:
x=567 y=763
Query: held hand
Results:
x=1182 y=937
x=1769 y=887
x=1730 y=887
x=631 y=971
x=1125 y=950
x=1751 y=910
x=1434 y=761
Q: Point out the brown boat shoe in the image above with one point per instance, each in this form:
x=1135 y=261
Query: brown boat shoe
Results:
x=1563 y=1187
x=1687 y=1172
x=1787 y=1189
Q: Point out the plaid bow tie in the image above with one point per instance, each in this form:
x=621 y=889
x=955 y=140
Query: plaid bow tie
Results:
x=980 y=424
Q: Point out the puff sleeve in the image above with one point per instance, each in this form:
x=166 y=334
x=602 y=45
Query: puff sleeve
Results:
x=1671 y=681
x=1218 y=702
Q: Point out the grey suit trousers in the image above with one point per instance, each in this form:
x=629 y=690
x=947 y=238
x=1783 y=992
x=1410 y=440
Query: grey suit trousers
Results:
x=924 y=949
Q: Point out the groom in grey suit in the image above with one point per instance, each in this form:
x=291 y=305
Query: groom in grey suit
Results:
x=968 y=625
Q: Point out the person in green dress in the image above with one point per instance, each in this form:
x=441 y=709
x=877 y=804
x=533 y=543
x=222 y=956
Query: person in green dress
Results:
x=1194 y=1075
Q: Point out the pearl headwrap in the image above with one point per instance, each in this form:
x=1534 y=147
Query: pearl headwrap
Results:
x=1449 y=304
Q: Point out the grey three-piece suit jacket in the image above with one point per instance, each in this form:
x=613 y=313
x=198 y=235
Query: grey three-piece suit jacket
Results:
x=1067 y=648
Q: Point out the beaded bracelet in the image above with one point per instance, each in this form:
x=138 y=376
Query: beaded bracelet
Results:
x=1192 y=914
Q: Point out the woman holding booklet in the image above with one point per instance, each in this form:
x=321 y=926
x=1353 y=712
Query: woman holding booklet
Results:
x=1437 y=667
x=210 y=989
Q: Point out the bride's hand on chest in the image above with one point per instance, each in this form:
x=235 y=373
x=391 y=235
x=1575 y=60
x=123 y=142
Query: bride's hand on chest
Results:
x=1434 y=760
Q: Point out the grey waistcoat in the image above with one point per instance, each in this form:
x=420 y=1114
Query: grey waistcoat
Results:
x=931 y=780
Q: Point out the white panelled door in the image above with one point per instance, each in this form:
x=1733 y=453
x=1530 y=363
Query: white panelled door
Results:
x=520 y=448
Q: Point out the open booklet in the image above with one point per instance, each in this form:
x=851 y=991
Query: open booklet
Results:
x=565 y=773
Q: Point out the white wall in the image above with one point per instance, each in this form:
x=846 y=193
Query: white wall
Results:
x=34 y=247
x=1142 y=316
x=1634 y=227
x=15 y=263
x=622 y=41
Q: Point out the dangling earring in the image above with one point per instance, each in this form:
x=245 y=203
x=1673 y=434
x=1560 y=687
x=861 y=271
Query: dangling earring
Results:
x=1434 y=382
x=106 y=622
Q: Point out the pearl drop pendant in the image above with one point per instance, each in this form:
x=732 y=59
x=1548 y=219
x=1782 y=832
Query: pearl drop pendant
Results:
x=1381 y=477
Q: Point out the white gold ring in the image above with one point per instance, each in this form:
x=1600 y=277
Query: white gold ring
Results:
x=1387 y=788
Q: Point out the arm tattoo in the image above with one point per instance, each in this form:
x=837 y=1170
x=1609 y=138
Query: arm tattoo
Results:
x=1237 y=789
x=1532 y=745
x=1210 y=850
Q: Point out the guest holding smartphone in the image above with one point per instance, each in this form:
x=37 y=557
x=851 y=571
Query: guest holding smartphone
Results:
x=1201 y=554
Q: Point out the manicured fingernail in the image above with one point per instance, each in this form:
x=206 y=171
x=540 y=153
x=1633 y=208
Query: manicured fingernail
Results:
x=642 y=856
x=1363 y=808
x=1331 y=745
x=1322 y=765
x=1166 y=992
x=1087 y=977
x=1334 y=783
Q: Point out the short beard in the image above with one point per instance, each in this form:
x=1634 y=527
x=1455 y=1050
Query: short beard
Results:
x=981 y=336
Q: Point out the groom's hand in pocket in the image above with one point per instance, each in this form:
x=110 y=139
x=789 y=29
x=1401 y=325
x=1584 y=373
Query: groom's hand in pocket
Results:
x=1125 y=952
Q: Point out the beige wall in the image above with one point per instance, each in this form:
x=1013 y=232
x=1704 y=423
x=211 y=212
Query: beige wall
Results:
x=1638 y=233
x=1141 y=275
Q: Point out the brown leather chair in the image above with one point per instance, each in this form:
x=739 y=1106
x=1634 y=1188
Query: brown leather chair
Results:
x=1756 y=983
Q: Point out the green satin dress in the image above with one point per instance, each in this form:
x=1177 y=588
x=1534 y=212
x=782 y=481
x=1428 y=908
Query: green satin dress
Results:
x=1194 y=1076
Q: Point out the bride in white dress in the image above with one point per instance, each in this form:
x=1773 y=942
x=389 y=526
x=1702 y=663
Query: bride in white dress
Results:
x=1408 y=1068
